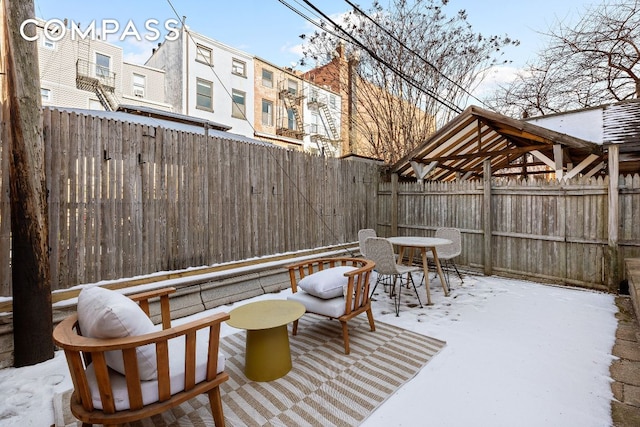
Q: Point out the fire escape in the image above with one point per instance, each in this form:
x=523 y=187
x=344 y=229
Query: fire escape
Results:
x=291 y=125
x=326 y=144
x=99 y=80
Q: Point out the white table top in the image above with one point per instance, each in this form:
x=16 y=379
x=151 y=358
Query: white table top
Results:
x=418 y=242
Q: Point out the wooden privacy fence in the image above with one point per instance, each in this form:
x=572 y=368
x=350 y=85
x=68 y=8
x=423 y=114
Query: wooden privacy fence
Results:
x=128 y=199
x=549 y=231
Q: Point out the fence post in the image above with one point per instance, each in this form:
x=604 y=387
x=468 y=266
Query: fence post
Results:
x=614 y=276
x=488 y=253
x=394 y=204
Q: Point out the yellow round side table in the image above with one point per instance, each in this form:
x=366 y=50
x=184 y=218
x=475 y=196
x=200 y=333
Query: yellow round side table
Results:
x=267 y=355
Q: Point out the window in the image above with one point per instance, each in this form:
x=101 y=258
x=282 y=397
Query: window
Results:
x=239 y=67
x=332 y=101
x=45 y=94
x=292 y=87
x=267 y=112
x=238 y=109
x=203 y=54
x=49 y=44
x=314 y=95
x=291 y=119
x=314 y=123
x=103 y=65
x=267 y=78
x=139 y=83
x=204 y=95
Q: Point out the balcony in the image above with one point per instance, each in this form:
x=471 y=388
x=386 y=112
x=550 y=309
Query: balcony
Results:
x=89 y=75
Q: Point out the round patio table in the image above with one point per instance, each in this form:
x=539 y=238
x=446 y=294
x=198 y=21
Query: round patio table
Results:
x=267 y=352
x=424 y=244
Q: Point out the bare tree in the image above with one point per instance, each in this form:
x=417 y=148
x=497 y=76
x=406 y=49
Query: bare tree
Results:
x=415 y=68
x=592 y=63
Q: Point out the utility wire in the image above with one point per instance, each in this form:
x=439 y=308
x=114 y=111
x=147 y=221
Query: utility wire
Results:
x=311 y=20
x=425 y=60
x=395 y=70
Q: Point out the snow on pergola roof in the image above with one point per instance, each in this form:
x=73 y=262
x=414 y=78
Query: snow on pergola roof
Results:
x=459 y=149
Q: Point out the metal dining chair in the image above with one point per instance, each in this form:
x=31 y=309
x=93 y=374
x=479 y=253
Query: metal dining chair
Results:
x=380 y=251
x=446 y=253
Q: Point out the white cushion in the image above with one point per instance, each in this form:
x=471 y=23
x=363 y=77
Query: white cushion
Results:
x=150 y=388
x=333 y=307
x=103 y=313
x=326 y=283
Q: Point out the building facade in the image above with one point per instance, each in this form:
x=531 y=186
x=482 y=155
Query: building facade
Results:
x=323 y=116
x=196 y=76
x=277 y=121
x=371 y=127
x=294 y=113
x=91 y=73
x=207 y=79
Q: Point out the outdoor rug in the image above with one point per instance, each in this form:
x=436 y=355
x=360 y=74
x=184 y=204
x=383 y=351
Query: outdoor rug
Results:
x=325 y=387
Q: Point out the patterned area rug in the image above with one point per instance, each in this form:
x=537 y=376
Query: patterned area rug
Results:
x=325 y=386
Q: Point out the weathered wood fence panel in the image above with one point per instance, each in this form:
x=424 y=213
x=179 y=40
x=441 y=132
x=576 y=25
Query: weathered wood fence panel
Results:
x=550 y=231
x=629 y=217
x=128 y=199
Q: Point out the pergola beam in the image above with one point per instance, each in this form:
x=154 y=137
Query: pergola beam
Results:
x=421 y=170
x=517 y=151
x=581 y=166
x=544 y=159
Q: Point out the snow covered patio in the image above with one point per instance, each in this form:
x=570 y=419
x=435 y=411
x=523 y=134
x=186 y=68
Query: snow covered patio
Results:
x=517 y=352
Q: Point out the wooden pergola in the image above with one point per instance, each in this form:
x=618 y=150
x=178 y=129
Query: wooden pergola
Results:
x=459 y=150
x=482 y=144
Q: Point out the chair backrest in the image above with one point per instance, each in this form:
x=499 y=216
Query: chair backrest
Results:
x=363 y=235
x=79 y=350
x=380 y=251
x=357 y=292
x=455 y=248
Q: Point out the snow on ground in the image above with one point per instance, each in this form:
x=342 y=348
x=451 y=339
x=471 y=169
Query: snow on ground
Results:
x=517 y=353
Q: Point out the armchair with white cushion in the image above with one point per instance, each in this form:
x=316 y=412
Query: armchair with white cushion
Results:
x=337 y=288
x=124 y=368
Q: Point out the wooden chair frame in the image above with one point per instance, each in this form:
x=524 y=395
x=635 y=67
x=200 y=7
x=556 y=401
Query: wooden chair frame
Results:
x=357 y=299
x=81 y=351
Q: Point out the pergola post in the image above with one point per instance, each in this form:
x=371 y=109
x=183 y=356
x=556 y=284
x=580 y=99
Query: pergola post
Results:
x=486 y=209
x=394 y=204
x=558 y=161
x=614 y=168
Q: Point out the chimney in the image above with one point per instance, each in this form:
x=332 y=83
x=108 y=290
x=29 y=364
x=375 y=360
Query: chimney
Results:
x=340 y=50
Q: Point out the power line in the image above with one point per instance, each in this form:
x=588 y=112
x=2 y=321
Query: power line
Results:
x=425 y=60
x=395 y=70
x=296 y=11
